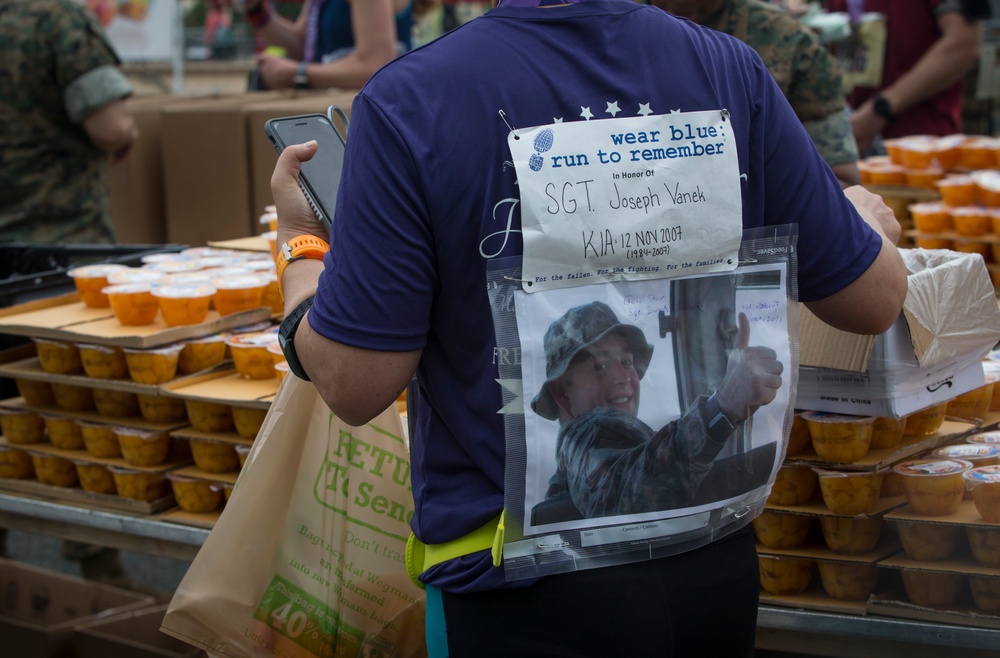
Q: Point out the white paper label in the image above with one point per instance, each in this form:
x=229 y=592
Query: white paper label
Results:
x=628 y=199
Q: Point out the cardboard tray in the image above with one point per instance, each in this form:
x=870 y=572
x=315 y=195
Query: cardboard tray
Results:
x=65 y=317
x=189 y=432
x=815 y=598
x=965 y=515
x=963 y=613
x=225 y=387
x=887 y=546
x=136 y=421
x=77 y=497
x=31 y=368
x=816 y=507
x=202 y=519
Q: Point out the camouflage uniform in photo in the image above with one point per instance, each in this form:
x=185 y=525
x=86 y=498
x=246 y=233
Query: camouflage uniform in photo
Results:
x=608 y=461
x=808 y=75
x=56 y=68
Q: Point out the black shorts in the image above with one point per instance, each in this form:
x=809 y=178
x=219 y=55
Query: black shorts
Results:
x=699 y=603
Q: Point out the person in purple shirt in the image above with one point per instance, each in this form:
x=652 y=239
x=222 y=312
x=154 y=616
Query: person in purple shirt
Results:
x=428 y=198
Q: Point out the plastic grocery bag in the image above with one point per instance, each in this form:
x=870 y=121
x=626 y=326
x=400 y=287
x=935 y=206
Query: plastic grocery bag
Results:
x=307 y=559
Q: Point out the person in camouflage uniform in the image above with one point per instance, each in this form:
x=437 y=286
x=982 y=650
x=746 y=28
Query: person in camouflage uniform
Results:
x=63 y=121
x=804 y=69
x=608 y=462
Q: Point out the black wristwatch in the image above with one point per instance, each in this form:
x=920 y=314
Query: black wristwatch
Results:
x=286 y=337
x=301 y=79
x=719 y=426
x=883 y=108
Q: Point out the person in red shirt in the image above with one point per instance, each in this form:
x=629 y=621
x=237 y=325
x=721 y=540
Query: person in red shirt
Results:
x=930 y=46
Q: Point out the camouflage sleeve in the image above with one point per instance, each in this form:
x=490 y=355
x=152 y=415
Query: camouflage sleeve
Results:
x=834 y=138
x=93 y=90
x=816 y=87
x=81 y=48
x=615 y=464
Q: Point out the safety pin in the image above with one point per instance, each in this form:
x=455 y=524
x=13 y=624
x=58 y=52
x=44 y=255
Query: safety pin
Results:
x=516 y=280
x=503 y=117
x=558 y=544
x=725 y=114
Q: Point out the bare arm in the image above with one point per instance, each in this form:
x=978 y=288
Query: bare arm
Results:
x=872 y=302
x=357 y=384
x=112 y=129
x=848 y=174
x=279 y=31
x=374 y=25
x=950 y=58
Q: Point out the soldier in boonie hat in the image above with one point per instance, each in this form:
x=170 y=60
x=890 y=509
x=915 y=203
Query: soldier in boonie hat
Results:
x=578 y=328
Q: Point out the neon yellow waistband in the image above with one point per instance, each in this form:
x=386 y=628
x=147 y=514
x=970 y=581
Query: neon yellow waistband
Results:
x=420 y=556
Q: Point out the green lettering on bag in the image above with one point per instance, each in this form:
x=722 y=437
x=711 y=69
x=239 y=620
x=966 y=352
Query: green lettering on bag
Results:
x=307 y=621
x=352 y=476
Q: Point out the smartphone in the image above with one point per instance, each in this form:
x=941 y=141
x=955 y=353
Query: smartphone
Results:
x=320 y=177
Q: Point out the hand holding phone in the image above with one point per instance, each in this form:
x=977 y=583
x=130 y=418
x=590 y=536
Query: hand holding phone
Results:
x=319 y=177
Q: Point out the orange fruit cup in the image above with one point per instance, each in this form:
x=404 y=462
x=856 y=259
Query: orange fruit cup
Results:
x=947 y=151
x=15 y=464
x=931 y=217
x=35 y=392
x=926 y=421
x=54 y=470
x=58 y=357
x=978 y=152
x=917 y=152
x=202 y=353
x=987 y=187
x=971 y=220
x=887 y=433
x=90 y=281
x=984 y=483
x=933 y=487
x=840 y=438
x=847 y=581
x=251 y=354
x=924 y=178
x=238 y=293
x=957 y=191
x=103 y=361
x=781 y=576
x=153 y=366
x=887 y=175
x=972 y=405
x=133 y=303
x=195 y=495
x=183 y=305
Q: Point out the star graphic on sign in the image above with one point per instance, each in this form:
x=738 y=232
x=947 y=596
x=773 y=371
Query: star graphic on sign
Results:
x=677 y=111
x=555 y=120
x=585 y=113
x=516 y=405
x=613 y=108
x=644 y=109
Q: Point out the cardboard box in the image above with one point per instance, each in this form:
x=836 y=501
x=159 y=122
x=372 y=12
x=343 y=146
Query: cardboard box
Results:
x=864 y=394
x=137 y=188
x=133 y=634
x=207 y=162
x=39 y=608
x=205 y=172
x=932 y=353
